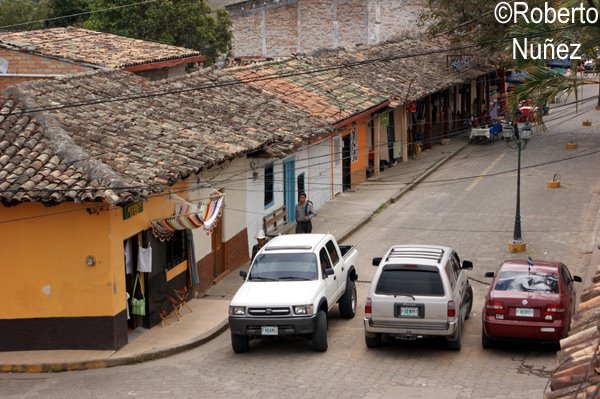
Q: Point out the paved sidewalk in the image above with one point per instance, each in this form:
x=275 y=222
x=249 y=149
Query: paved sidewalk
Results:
x=208 y=318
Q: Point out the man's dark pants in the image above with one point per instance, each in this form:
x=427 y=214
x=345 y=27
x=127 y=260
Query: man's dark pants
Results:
x=304 y=226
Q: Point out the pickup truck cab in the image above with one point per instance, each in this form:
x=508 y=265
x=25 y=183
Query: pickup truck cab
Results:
x=418 y=291
x=292 y=284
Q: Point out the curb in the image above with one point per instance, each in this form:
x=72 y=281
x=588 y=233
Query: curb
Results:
x=112 y=362
x=394 y=198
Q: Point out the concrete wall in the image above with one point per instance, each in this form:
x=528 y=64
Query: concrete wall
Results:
x=280 y=27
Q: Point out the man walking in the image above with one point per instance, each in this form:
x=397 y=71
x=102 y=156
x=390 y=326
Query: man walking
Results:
x=304 y=214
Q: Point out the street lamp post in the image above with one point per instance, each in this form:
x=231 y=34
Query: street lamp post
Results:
x=517 y=244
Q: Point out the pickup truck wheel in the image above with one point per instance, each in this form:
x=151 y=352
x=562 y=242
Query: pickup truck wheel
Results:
x=456 y=344
x=319 y=337
x=469 y=301
x=373 y=342
x=348 y=301
x=239 y=343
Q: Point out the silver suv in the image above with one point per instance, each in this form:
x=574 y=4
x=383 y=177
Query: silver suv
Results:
x=418 y=291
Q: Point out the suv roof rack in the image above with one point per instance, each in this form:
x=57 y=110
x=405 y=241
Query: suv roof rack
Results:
x=435 y=254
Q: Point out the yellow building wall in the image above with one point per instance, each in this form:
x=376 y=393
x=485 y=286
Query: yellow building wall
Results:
x=43 y=251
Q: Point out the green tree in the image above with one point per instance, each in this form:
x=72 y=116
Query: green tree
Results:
x=59 y=9
x=23 y=14
x=474 y=21
x=545 y=84
x=186 y=23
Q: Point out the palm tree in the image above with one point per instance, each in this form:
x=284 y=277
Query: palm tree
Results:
x=544 y=84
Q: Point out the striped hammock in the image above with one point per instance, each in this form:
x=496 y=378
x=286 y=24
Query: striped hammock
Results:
x=189 y=216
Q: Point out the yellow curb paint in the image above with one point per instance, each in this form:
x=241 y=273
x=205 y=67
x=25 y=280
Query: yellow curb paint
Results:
x=485 y=171
x=516 y=247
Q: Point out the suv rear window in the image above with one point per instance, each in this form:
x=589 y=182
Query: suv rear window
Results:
x=410 y=280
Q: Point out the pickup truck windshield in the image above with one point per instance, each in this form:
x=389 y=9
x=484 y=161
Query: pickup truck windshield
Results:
x=289 y=266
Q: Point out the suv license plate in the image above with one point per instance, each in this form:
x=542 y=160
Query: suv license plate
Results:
x=269 y=330
x=409 y=312
x=524 y=312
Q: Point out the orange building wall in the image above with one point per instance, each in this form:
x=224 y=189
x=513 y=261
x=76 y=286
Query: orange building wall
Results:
x=358 y=168
x=43 y=252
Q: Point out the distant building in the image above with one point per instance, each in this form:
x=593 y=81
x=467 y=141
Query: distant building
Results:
x=274 y=28
x=50 y=53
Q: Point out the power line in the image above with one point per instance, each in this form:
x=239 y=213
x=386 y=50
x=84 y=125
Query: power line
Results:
x=78 y=14
x=378 y=147
x=431 y=182
x=275 y=75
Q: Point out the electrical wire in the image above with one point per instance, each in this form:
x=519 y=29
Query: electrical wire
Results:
x=77 y=14
x=276 y=75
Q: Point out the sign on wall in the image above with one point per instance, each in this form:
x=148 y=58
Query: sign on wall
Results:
x=132 y=209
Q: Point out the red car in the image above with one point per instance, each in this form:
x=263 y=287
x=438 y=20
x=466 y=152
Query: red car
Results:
x=528 y=300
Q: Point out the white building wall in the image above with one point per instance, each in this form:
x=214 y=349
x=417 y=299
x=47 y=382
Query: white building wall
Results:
x=314 y=161
x=255 y=185
x=230 y=179
x=318 y=170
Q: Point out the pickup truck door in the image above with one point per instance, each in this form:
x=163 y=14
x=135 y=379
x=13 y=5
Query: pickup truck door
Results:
x=338 y=266
x=330 y=281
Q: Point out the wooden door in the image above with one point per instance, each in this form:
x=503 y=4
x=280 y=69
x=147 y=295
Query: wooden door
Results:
x=217 y=249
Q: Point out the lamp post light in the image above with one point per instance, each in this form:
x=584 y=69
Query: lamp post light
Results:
x=517 y=244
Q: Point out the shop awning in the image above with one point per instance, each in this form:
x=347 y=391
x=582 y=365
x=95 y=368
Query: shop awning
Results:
x=205 y=214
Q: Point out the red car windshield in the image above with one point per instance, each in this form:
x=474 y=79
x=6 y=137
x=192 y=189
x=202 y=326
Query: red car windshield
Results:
x=524 y=281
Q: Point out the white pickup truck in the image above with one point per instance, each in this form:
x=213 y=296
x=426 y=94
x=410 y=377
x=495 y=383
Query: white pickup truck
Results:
x=292 y=283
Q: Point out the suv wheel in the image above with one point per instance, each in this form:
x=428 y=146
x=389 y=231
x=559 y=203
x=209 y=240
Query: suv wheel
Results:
x=373 y=342
x=469 y=301
x=348 y=301
x=239 y=343
x=319 y=337
x=456 y=344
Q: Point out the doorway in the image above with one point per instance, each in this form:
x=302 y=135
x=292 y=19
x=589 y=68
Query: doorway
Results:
x=131 y=247
x=289 y=188
x=346 y=162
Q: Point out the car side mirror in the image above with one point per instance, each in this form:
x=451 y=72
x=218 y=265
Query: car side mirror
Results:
x=577 y=279
x=467 y=265
x=376 y=261
x=244 y=274
x=490 y=274
x=328 y=272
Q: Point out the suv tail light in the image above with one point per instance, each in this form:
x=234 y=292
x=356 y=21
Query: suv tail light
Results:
x=555 y=310
x=495 y=308
x=368 y=309
x=451 y=310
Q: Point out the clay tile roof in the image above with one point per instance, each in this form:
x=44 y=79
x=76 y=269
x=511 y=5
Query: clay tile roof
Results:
x=125 y=144
x=578 y=367
x=322 y=94
x=91 y=47
x=406 y=72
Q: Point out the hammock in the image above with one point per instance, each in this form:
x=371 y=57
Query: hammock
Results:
x=189 y=216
